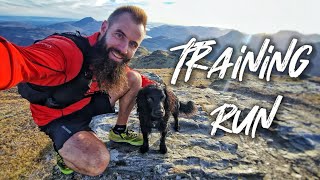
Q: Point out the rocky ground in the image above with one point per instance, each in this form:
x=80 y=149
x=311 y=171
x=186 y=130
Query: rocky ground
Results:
x=289 y=149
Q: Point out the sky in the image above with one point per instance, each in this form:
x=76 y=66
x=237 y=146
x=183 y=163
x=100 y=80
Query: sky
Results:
x=249 y=16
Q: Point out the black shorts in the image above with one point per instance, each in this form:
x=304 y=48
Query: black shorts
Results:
x=61 y=129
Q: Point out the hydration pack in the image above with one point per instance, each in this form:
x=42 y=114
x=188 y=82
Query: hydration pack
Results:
x=61 y=96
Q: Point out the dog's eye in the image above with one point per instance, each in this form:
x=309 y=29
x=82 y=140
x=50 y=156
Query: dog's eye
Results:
x=149 y=99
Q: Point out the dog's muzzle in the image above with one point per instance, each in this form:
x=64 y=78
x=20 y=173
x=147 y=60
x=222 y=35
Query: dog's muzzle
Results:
x=158 y=113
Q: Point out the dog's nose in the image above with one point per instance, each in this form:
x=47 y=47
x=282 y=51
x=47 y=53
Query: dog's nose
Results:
x=159 y=113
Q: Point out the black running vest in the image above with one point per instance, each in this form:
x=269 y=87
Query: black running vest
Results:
x=61 y=96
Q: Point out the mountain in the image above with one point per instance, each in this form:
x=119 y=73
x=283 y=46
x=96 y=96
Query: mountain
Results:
x=24 y=36
x=157 y=59
x=25 y=33
x=280 y=40
x=86 y=26
x=16 y=24
x=233 y=39
x=314 y=66
x=183 y=33
x=159 y=43
x=83 y=22
x=63 y=27
x=141 y=52
x=287 y=35
x=37 y=21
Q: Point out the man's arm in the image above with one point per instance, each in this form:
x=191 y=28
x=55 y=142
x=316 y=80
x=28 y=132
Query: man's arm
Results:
x=43 y=63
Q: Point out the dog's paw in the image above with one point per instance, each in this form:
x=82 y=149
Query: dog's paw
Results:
x=163 y=149
x=144 y=149
x=177 y=128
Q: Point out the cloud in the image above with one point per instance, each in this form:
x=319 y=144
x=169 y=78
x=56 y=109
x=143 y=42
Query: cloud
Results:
x=168 y=2
x=246 y=15
x=99 y=9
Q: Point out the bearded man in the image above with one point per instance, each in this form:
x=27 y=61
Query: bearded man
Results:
x=68 y=79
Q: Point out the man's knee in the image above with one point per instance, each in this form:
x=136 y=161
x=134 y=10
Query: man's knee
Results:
x=97 y=163
x=134 y=80
x=84 y=153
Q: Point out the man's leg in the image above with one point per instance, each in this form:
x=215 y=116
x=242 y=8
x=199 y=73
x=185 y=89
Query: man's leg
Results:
x=79 y=147
x=126 y=97
x=127 y=101
x=85 y=153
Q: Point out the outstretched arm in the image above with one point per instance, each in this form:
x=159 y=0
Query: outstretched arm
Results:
x=42 y=63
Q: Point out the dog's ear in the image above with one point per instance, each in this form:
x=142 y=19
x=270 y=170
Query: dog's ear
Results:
x=141 y=100
x=167 y=99
x=171 y=99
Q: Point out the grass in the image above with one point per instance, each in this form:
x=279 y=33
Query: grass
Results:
x=22 y=145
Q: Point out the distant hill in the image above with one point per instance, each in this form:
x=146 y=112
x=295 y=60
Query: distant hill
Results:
x=26 y=32
x=62 y=27
x=157 y=59
x=159 y=43
x=16 y=24
x=84 y=22
x=183 y=33
x=314 y=67
x=24 y=36
x=284 y=35
x=86 y=26
x=38 y=21
x=141 y=52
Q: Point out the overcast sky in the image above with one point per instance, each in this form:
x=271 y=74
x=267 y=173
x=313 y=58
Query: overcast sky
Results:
x=250 y=16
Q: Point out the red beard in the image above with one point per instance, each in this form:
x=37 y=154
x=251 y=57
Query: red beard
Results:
x=110 y=75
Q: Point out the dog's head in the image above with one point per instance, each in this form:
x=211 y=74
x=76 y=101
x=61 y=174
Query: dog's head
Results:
x=152 y=99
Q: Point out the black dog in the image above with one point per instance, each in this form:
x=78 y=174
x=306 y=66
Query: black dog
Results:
x=155 y=104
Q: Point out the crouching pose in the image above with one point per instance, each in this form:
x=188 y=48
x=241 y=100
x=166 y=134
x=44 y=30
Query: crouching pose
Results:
x=69 y=78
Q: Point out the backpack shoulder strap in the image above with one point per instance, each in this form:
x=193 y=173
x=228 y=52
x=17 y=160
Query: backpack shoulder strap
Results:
x=81 y=41
x=62 y=95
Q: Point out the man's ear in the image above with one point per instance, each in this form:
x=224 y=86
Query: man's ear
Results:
x=104 y=28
